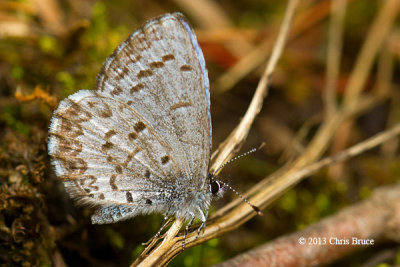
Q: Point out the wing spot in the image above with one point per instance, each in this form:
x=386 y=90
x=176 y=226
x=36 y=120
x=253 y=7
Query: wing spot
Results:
x=142 y=42
x=147 y=174
x=73 y=131
x=71 y=148
x=138 y=57
x=129 y=197
x=92 y=181
x=149 y=202
x=132 y=136
x=129 y=102
x=79 y=149
x=106 y=113
x=139 y=126
x=136 y=88
x=79 y=165
x=168 y=57
x=117 y=91
x=120 y=75
x=112 y=182
x=109 y=134
x=144 y=73
x=101 y=196
x=107 y=146
x=125 y=71
x=186 y=68
x=118 y=169
x=164 y=160
x=76 y=113
x=181 y=105
x=152 y=32
x=157 y=64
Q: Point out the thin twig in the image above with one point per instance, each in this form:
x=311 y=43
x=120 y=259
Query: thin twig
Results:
x=351 y=152
x=338 y=10
x=165 y=245
x=384 y=85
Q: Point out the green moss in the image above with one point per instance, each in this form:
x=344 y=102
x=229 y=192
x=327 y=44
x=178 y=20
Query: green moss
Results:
x=365 y=192
x=136 y=252
x=49 y=45
x=67 y=82
x=323 y=204
x=341 y=187
x=397 y=259
x=289 y=201
x=11 y=116
x=17 y=72
x=115 y=238
x=206 y=254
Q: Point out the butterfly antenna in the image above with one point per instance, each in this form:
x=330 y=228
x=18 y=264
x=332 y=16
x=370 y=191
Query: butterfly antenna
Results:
x=239 y=156
x=255 y=208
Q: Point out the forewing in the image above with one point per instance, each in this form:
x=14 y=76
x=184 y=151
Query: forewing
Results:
x=159 y=71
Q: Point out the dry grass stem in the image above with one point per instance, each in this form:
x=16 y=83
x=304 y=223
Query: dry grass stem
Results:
x=165 y=245
x=351 y=152
x=384 y=86
x=334 y=52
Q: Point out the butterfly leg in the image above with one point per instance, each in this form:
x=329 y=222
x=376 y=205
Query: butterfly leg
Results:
x=203 y=219
x=187 y=230
x=167 y=220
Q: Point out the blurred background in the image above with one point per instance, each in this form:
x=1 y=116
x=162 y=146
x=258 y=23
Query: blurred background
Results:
x=50 y=49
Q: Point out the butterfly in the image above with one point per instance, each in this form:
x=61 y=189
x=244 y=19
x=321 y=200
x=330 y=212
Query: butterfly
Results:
x=140 y=142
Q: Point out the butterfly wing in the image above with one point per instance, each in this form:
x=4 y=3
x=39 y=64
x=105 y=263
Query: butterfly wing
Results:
x=145 y=129
x=160 y=72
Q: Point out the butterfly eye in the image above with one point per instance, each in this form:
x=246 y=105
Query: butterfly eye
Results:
x=215 y=187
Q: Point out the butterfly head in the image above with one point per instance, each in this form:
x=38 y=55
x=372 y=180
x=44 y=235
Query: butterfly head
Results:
x=216 y=188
